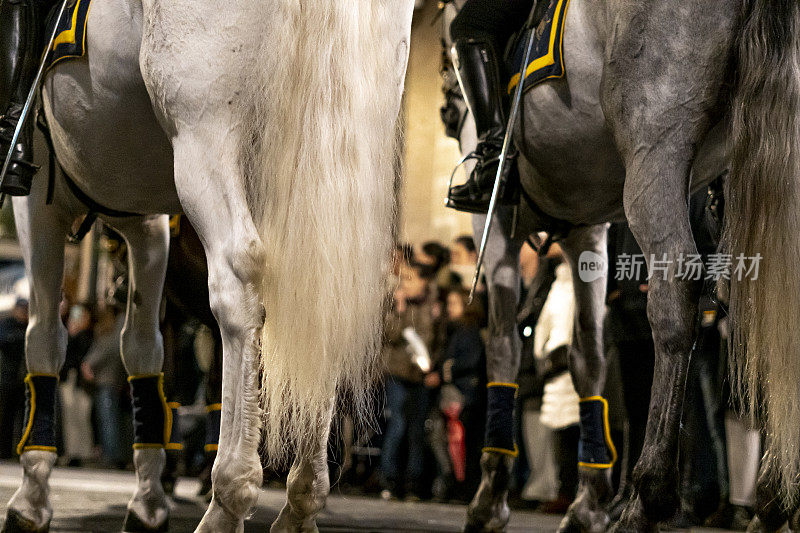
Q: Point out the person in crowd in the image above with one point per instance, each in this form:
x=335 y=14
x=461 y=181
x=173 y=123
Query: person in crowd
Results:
x=552 y=341
x=462 y=404
x=409 y=337
x=103 y=368
x=437 y=257
x=743 y=448
x=536 y=468
x=12 y=374
x=463 y=257
x=76 y=403
x=402 y=256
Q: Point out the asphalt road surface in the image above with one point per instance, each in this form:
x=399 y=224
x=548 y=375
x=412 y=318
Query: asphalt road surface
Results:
x=95 y=501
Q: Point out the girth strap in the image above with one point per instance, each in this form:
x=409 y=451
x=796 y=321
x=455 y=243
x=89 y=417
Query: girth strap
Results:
x=95 y=208
x=556 y=227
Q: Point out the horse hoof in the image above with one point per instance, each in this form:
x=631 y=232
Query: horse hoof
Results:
x=133 y=524
x=569 y=524
x=757 y=525
x=474 y=528
x=16 y=523
x=477 y=527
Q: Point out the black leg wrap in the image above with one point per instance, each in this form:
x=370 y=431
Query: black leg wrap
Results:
x=152 y=417
x=212 y=427
x=16 y=523
x=40 y=421
x=595 y=448
x=500 y=419
x=134 y=525
x=174 y=449
x=174 y=443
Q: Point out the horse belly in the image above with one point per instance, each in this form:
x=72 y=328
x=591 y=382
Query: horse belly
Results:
x=105 y=132
x=571 y=165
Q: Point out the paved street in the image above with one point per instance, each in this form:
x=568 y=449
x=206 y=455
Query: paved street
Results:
x=94 y=501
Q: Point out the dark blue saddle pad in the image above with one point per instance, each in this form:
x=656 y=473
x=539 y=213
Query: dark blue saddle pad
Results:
x=70 y=39
x=547 y=58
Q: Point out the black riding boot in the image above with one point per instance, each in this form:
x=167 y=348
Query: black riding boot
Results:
x=479 y=75
x=19 y=56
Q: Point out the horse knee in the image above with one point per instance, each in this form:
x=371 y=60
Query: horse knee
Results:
x=142 y=349
x=46 y=343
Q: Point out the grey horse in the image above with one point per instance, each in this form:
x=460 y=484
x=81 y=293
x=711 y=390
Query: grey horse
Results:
x=657 y=99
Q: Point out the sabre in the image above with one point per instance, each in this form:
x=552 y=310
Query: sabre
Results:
x=503 y=159
x=31 y=97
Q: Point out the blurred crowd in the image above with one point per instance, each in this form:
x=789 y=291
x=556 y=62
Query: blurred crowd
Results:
x=432 y=401
x=435 y=386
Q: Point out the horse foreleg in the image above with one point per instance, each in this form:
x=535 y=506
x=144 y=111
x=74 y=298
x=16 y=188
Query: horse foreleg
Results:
x=588 y=370
x=41 y=234
x=143 y=356
x=307 y=489
x=488 y=511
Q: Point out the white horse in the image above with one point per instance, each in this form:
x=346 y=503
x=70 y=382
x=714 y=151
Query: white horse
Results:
x=271 y=125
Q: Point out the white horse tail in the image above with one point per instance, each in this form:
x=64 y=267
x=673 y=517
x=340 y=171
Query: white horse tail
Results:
x=763 y=217
x=327 y=95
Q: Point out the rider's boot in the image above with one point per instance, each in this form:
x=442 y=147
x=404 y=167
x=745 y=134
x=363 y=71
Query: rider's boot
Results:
x=479 y=76
x=19 y=57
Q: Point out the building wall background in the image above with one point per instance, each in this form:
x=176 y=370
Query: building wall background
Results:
x=429 y=156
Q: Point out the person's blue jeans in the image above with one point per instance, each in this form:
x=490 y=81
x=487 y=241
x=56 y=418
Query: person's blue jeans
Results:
x=406 y=410
x=108 y=420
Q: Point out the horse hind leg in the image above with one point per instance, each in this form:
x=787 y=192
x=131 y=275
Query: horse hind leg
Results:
x=307 y=489
x=233 y=250
x=771 y=514
x=147 y=239
x=41 y=235
x=657 y=132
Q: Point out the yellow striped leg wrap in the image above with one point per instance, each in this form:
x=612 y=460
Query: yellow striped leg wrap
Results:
x=152 y=416
x=40 y=407
x=595 y=449
x=500 y=418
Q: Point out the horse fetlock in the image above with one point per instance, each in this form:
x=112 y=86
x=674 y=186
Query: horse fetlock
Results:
x=658 y=491
x=492 y=518
x=219 y=520
x=586 y=513
x=148 y=510
x=634 y=519
x=30 y=505
x=488 y=510
x=289 y=522
x=236 y=485
x=307 y=490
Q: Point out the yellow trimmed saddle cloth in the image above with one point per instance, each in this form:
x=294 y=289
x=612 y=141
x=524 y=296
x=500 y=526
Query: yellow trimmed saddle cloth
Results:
x=547 y=58
x=70 y=41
